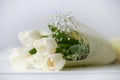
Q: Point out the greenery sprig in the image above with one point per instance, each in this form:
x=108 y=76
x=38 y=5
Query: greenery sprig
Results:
x=70 y=45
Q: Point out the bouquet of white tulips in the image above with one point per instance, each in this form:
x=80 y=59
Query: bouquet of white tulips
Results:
x=69 y=44
x=39 y=52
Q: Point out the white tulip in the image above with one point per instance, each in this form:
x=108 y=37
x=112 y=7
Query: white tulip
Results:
x=18 y=58
x=37 y=60
x=28 y=37
x=45 y=45
x=54 y=62
x=51 y=62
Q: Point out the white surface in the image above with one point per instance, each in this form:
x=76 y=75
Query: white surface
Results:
x=19 y=15
x=108 y=72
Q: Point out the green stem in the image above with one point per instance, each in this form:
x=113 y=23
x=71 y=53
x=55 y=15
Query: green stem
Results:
x=44 y=36
x=64 y=45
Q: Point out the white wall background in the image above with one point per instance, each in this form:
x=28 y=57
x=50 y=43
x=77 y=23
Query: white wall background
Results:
x=19 y=15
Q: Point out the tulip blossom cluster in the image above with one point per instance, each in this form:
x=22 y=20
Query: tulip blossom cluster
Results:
x=45 y=58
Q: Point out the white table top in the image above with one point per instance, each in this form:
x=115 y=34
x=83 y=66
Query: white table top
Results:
x=108 y=72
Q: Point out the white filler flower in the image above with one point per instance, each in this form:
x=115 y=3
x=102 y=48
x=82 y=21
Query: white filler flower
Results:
x=28 y=37
x=54 y=62
x=45 y=45
x=18 y=58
